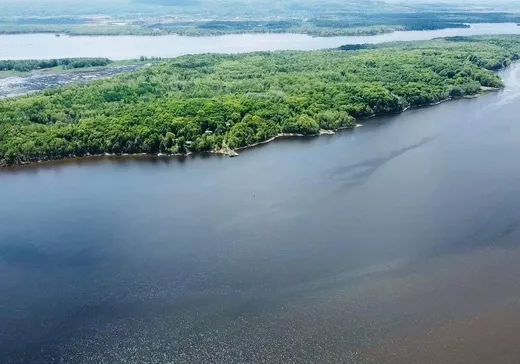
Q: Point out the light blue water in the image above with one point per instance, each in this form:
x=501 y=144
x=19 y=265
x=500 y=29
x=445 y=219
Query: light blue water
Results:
x=47 y=46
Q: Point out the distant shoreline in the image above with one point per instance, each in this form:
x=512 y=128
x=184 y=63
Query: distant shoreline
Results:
x=19 y=46
x=317 y=32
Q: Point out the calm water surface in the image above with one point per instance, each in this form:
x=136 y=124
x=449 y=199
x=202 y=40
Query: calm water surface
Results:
x=394 y=243
x=47 y=46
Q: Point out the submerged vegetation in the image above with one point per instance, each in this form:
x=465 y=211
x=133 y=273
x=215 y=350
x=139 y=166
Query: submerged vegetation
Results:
x=215 y=102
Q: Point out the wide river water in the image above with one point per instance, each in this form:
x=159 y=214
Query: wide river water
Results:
x=398 y=242
x=46 y=46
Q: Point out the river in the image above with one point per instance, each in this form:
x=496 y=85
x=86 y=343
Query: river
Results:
x=48 y=46
x=397 y=242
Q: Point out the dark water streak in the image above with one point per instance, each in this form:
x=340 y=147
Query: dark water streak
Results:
x=392 y=243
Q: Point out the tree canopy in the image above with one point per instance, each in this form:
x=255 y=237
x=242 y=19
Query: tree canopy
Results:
x=66 y=63
x=207 y=102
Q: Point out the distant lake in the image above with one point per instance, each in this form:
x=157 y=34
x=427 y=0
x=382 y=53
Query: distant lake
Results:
x=46 y=46
x=397 y=242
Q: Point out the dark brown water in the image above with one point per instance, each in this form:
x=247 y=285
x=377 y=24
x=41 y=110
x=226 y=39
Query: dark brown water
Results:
x=394 y=243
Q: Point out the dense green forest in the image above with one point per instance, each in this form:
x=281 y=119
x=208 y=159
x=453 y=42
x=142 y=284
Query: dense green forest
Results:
x=66 y=63
x=209 y=102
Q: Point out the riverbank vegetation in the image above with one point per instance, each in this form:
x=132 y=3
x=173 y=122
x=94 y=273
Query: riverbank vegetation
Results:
x=314 y=27
x=65 y=63
x=327 y=26
x=326 y=20
x=221 y=102
x=25 y=68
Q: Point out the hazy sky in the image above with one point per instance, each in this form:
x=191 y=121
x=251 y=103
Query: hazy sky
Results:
x=65 y=7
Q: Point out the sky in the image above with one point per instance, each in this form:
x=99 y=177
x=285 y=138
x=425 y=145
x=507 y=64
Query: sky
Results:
x=47 y=8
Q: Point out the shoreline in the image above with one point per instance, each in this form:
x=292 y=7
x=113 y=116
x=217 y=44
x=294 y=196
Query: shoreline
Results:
x=201 y=35
x=368 y=33
x=346 y=33
x=225 y=151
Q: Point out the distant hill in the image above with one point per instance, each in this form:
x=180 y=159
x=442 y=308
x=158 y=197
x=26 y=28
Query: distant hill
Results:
x=12 y=8
x=237 y=8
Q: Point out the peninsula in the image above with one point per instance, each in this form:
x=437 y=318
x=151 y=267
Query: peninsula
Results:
x=205 y=103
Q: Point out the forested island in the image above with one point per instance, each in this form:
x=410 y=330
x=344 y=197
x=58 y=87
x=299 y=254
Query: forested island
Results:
x=218 y=103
